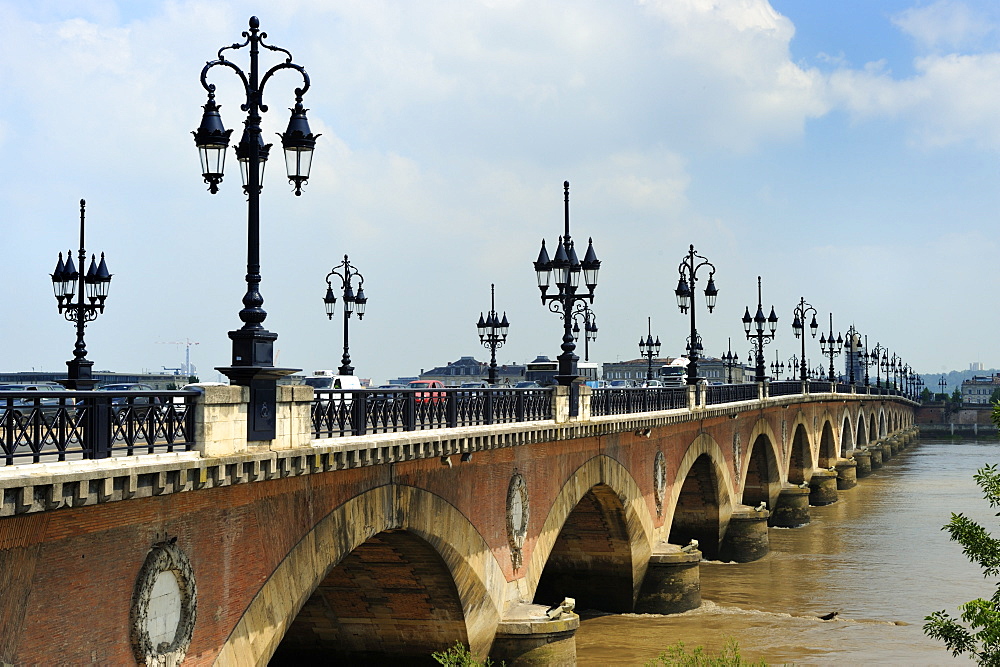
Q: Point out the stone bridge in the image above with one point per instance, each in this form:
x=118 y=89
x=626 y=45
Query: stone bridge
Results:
x=401 y=544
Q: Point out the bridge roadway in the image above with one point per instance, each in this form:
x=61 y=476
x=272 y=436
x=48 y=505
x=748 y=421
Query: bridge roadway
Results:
x=400 y=544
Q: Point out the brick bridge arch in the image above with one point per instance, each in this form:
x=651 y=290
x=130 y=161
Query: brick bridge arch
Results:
x=701 y=497
x=595 y=542
x=761 y=474
x=477 y=579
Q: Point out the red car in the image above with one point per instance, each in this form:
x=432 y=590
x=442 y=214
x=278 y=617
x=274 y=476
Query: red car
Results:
x=428 y=396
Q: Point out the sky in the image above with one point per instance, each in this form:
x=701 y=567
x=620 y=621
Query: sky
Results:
x=845 y=152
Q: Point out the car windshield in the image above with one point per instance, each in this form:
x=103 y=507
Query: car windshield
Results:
x=421 y=385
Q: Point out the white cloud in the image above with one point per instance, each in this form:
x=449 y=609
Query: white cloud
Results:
x=947 y=24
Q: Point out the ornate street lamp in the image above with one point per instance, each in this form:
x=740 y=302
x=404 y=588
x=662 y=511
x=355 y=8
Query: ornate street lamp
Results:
x=353 y=303
x=584 y=313
x=777 y=367
x=853 y=342
x=798 y=327
x=754 y=328
x=567 y=268
x=944 y=386
x=688 y=272
x=253 y=345
x=730 y=361
x=649 y=349
x=492 y=333
x=793 y=367
x=874 y=359
x=89 y=290
x=831 y=347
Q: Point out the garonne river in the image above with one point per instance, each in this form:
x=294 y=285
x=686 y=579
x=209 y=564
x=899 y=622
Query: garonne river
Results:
x=877 y=557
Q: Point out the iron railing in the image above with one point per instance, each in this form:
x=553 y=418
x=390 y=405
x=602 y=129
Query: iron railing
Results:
x=42 y=426
x=785 y=388
x=338 y=413
x=730 y=393
x=621 y=401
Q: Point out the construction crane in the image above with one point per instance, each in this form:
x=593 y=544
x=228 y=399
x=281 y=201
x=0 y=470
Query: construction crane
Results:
x=187 y=343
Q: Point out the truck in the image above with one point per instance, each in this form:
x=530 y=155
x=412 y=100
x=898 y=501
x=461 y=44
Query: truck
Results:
x=674 y=374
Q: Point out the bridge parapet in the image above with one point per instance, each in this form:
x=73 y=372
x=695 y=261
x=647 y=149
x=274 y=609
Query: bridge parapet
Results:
x=221 y=455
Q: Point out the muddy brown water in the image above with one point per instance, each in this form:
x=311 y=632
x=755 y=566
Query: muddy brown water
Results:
x=878 y=557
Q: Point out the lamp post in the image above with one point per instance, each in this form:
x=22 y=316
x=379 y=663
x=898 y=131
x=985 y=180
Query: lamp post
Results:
x=793 y=367
x=649 y=349
x=583 y=312
x=920 y=387
x=944 y=386
x=874 y=358
x=492 y=333
x=90 y=289
x=758 y=337
x=777 y=367
x=688 y=270
x=730 y=361
x=831 y=347
x=798 y=328
x=853 y=342
x=253 y=345
x=567 y=268
x=353 y=303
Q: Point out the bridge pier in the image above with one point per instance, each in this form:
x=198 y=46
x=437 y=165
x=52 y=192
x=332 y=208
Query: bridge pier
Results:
x=746 y=537
x=886 y=450
x=791 y=509
x=876 y=455
x=672 y=583
x=529 y=636
x=823 y=488
x=863 y=457
x=847 y=474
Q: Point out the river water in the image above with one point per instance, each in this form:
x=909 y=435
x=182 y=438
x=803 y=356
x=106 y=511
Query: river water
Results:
x=878 y=557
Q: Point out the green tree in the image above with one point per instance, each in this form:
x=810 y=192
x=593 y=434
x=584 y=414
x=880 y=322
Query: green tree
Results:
x=976 y=633
x=926 y=396
x=995 y=396
x=956 y=397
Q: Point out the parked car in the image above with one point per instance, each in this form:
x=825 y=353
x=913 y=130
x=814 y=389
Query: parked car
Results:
x=428 y=396
x=48 y=406
x=527 y=385
x=597 y=384
x=649 y=384
x=620 y=384
x=130 y=386
x=474 y=385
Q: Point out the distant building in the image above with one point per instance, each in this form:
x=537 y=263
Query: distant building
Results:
x=976 y=366
x=713 y=370
x=978 y=389
x=468 y=369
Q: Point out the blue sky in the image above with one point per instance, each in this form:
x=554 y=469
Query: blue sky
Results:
x=846 y=152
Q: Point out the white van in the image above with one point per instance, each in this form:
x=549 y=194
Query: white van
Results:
x=330 y=380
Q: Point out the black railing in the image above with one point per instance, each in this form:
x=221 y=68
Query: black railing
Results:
x=730 y=393
x=42 y=426
x=819 y=386
x=341 y=413
x=622 y=401
x=785 y=388
x=843 y=388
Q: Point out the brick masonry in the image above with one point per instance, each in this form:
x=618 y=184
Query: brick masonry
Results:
x=265 y=530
